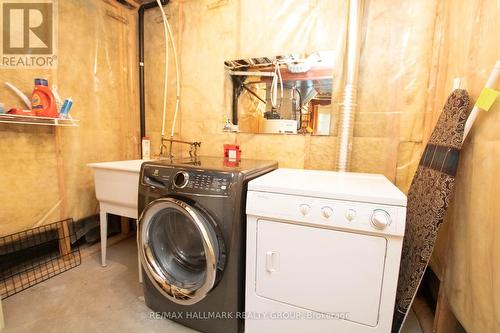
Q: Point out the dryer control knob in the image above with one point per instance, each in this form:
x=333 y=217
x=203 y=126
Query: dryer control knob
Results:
x=380 y=219
x=181 y=179
x=350 y=215
x=305 y=209
x=327 y=212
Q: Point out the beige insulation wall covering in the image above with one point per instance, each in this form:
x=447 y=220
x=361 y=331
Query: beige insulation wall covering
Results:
x=41 y=181
x=469 y=48
x=394 y=74
x=205 y=39
x=411 y=51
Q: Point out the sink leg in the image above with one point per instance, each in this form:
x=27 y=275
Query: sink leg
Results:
x=104 y=236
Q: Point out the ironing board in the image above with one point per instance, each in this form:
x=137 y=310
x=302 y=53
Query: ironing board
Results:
x=428 y=199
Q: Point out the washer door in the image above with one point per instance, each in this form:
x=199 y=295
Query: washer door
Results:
x=181 y=250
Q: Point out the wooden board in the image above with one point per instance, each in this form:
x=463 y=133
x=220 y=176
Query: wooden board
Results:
x=96 y=248
x=64 y=239
x=125 y=225
x=2 y=322
x=445 y=320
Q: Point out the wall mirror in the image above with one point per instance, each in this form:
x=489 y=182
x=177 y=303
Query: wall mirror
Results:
x=286 y=94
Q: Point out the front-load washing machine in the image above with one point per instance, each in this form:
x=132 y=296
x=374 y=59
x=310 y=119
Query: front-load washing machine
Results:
x=191 y=239
x=323 y=252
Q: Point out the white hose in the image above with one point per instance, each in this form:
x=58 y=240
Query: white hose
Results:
x=168 y=31
x=19 y=93
x=165 y=84
x=274 y=86
x=177 y=79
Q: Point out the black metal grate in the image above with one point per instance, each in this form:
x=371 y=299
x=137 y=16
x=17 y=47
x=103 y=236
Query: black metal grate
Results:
x=35 y=255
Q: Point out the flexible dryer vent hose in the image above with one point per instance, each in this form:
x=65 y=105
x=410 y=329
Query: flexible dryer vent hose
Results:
x=346 y=127
x=348 y=105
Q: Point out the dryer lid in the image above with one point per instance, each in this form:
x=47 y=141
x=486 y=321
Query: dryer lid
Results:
x=349 y=186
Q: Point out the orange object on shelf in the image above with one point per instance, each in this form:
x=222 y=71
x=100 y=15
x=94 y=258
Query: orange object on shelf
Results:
x=43 y=102
x=21 y=112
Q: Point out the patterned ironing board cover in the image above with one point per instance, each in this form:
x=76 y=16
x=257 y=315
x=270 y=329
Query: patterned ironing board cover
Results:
x=428 y=199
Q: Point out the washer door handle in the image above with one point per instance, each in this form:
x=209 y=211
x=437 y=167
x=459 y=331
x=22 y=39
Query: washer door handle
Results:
x=272 y=261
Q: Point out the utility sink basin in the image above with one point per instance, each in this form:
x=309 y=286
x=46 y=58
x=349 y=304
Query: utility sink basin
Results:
x=116 y=186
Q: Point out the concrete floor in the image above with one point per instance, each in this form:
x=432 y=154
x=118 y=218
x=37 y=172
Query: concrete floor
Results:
x=96 y=299
x=88 y=298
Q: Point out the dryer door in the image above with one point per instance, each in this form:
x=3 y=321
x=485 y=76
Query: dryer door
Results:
x=181 y=250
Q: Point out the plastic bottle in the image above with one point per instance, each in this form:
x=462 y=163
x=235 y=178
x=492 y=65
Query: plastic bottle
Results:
x=146 y=148
x=43 y=102
x=68 y=103
x=59 y=101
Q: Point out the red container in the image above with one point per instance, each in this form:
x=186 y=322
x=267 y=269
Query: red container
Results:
x=232 y=152
x=21 y=112
x=43 y=102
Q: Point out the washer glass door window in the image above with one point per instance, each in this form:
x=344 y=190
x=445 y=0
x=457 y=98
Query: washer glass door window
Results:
x=181 y=250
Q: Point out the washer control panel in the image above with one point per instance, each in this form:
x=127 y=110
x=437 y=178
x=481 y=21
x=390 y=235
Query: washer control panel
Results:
x=208 y=183
x=203 y=182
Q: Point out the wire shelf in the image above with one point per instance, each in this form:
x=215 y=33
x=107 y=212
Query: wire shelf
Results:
x=34 y=120
x=35 y=255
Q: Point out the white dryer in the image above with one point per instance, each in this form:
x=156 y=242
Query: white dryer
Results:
x=323 y=252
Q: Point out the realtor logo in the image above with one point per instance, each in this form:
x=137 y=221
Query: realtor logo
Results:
x=28 y=33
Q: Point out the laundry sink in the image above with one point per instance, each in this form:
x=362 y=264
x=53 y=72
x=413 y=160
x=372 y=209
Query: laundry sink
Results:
x=116 y=185
x=116 y=188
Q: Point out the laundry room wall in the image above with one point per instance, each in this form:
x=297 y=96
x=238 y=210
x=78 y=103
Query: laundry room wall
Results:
x=468 y=247
x=411 y=52
x=43 y=170
x=394 y=74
